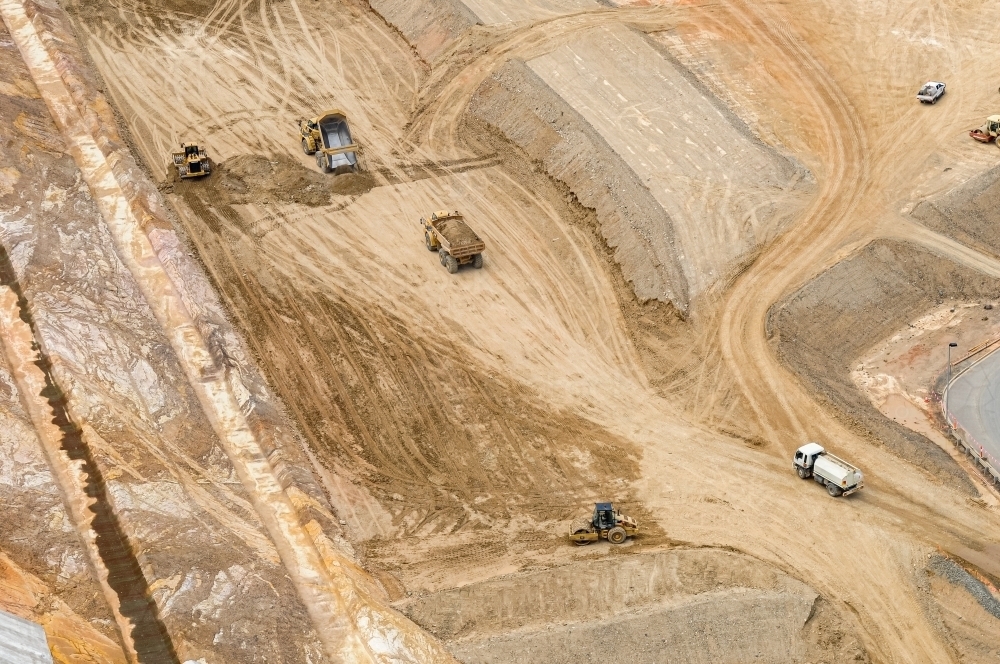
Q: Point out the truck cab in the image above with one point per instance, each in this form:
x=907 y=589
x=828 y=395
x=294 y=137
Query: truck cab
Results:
x=604 y=516
x=805 y=456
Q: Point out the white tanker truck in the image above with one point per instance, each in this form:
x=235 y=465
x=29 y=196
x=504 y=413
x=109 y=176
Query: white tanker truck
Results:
x=839 y=477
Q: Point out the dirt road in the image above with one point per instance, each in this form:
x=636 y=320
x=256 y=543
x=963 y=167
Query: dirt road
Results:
x=457 y=422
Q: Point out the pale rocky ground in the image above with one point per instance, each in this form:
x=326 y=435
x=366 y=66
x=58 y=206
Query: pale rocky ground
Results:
x=420 y=441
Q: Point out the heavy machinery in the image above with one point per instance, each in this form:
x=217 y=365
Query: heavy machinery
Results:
x=839 y=477
x=328 y=136
x=457 y=244
x=191 y=161
x=988 y=132
x=607 y=523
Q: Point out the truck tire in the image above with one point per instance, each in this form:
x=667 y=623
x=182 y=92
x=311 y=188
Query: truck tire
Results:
x=323 y=162
x=617 y=535
x=442 y=256
x=580 y=531
x=803 y=472
x=427 y=241
x=477 y=261
x=305 y=148
x=833 y=489
x=451 y=263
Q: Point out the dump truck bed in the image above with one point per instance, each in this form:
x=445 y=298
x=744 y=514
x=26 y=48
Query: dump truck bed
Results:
x=338 y=147
x=456 y=237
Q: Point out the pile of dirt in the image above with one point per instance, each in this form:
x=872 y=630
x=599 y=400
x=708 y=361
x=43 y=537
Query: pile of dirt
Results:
x=529 y=113
x=254 y=178
x=708 y=605
x=971 y=214
x=965 y=606
x=823 y=329
x=353 y=184
x=457 y=232
x=682 y=202
x=429 y=27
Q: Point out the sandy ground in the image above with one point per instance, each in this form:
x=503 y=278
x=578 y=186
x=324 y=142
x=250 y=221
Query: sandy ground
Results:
x=458 y=422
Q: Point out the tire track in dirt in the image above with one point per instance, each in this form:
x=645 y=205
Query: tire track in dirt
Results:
x=794 y=256
x=355 y=359
x=406 y=368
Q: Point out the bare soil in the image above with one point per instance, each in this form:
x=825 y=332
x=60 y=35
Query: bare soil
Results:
x=969 y=214
x=825 y=328
x=459 y=423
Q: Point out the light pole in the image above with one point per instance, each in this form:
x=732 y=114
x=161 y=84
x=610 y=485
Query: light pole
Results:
x=947 y=417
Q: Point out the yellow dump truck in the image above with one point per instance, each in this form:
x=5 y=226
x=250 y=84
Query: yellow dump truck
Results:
x=328 y=136
x=447 y=233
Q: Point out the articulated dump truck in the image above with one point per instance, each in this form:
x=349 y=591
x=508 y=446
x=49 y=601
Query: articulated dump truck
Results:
x=456 y=244
x=328 y=136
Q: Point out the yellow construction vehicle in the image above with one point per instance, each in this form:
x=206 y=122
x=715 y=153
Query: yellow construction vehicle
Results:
x=328 y=136
x=606 y=523
x=191 y=161
x=457 y=244
x=988 y=132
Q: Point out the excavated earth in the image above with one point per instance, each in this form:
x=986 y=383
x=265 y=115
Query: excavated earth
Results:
x=250 y=418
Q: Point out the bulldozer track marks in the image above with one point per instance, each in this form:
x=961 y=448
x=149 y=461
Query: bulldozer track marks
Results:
x=454 y=427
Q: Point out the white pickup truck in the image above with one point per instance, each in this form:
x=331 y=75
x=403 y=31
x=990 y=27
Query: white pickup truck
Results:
x=839 y=477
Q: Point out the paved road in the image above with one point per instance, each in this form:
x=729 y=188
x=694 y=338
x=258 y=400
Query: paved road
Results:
x=974 y=400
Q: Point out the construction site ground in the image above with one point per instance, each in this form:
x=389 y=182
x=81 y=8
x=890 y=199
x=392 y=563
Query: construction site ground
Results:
x=715 y=231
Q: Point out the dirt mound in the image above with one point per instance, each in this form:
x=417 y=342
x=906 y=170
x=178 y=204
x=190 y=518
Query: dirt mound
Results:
x=965 y=607
x=970 y=215
x=708 y=605
x=458 y=232
x=429 y=27
x=826 y=326
x=254 y=178
x=682 y=202
x=517 y=102
x=353 y=184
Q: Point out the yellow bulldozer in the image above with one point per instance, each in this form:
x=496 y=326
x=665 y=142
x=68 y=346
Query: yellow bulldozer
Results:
x=606 y=523
x=191 y=161
x=328 y=136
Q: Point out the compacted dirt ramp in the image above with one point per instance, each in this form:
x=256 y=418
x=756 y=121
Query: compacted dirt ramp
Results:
x=248 y=420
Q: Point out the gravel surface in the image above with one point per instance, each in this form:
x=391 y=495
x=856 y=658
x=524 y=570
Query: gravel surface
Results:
x=952 y=571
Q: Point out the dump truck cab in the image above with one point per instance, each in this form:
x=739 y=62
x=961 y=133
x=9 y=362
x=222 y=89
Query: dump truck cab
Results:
x=606 y=523
x=191 y=161
x=328 y=137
